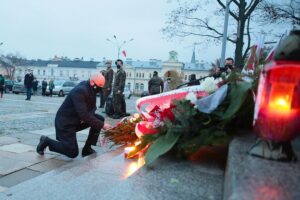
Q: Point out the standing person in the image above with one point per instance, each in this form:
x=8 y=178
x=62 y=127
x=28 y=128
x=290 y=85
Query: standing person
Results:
x=167 y=85
x=35 y=86
x=155 y=84
x=76 y=113
x=109 y=75
x=118 y=89
x=28 y=80
x=102 y=102
x=193 y=80
x=44 y=87
x=228 y=67
x=2 y=85
x=51 y=87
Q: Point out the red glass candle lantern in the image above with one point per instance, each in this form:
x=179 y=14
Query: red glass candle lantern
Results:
x=277 y=109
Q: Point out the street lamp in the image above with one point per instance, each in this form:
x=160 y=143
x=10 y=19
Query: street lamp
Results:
x=118 y=44
x=225 y=33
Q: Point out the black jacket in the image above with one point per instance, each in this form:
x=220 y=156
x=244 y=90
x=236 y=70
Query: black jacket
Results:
x=155 y=84
x=78 y=107
x=28 y=80
x=35 y=85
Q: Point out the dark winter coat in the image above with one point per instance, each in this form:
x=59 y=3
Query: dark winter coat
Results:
x=155 y=84
x=78 y=107
x=28 y=80
x=44 y=84
x=35 y=85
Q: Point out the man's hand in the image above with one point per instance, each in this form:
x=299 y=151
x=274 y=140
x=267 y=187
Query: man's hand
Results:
x=106 y=126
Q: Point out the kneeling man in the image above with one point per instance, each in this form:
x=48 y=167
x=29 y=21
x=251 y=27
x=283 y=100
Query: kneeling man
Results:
x=76 y=113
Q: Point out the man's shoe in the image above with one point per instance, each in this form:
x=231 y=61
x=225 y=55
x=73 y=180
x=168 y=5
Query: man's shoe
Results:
x=116 y=117
x=87 y=151
x=127 y=114
x=42 y=145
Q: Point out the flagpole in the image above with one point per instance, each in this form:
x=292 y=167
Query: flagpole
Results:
x=118 y=44
x=225 y=34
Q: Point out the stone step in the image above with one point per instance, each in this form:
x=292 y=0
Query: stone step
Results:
x=110 y=176
x=248 y=177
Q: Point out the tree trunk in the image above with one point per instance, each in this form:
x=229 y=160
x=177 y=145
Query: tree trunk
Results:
x=240 y=35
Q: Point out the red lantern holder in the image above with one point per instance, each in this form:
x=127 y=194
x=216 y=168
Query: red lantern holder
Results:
x=277 y=110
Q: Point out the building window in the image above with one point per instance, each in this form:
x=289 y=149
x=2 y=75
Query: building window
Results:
x=129 y=85
x=44 y=72
x=52 y=72
x=137 y=75
x=185 y=77
x=136 y=86
x=61 y=73
x=39 y=72
x=142 y=87
x=130 y=74
x=143 y=75
x=150 y=75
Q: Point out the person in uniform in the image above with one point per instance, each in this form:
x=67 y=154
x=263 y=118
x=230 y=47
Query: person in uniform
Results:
x=76 y=113
x=109 y=75
x=118 y=89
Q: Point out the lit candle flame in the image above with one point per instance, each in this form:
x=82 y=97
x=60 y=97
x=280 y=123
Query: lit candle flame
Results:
x=280 y=104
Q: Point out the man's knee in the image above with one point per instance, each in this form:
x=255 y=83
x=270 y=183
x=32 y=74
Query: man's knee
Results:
x=72 y=153
x=100 y=117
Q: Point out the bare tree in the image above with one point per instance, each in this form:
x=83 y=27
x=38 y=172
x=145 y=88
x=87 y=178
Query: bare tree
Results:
x=9 y=62
x=186 y=20
x=280 y=12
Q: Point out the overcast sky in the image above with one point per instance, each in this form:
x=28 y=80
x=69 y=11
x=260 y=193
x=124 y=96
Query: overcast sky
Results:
x=79 y=28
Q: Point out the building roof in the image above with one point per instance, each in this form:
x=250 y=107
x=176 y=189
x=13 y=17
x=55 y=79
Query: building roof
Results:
x=151 y=64
x=64 y=63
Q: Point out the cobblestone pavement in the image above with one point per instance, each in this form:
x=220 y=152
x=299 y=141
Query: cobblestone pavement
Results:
x=21 y=125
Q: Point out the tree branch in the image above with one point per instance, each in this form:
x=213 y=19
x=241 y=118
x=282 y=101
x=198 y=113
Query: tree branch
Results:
x=249 y=39
x=230 y=12
x=252 y=8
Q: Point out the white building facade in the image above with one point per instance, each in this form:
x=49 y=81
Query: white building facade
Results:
x=138 y=73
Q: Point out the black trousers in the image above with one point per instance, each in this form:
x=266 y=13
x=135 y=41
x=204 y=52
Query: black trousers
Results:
x=67 y=141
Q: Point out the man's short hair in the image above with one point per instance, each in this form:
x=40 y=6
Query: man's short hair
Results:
x=231 y=59
x=108 y=62
x=155 y=73
x=119 y=60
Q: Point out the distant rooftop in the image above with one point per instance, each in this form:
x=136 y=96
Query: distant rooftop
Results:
x=151 y=64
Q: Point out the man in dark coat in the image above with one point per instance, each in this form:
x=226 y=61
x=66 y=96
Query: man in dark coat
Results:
x=118 y=89
x=44 y=87
x=109 y=75
x=28 y=79
x=155 y=84
x=75 y=114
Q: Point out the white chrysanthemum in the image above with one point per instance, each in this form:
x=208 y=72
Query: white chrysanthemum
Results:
x=192 y=97
x=209 y=85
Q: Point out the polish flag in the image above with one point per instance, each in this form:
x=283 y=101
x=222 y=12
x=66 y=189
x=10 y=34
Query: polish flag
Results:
x=124 y=53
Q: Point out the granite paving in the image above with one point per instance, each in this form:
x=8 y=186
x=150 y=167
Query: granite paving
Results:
x=21 y=125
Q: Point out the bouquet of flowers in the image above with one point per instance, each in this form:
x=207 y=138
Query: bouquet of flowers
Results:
x=187 y=119
x=123 y=133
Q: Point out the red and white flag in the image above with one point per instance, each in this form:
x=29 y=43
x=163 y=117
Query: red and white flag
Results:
x=124 y=53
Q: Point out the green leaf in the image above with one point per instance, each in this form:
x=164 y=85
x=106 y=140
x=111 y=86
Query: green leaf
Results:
x=237 y=96
x=162 y=145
